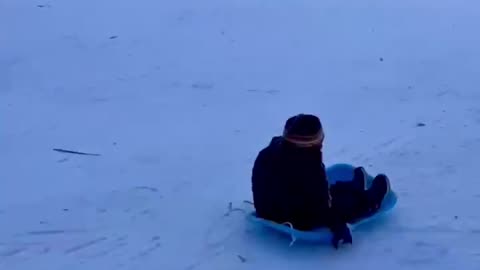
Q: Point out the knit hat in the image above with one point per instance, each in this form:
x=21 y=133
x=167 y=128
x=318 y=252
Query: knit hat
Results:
x=304 y=130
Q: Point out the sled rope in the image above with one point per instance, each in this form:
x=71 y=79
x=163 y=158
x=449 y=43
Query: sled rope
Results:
x=292 y=234
x=292 y=230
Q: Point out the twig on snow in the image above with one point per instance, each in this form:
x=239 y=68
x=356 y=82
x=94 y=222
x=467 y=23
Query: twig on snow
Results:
x=74 y=152
x=241 y=258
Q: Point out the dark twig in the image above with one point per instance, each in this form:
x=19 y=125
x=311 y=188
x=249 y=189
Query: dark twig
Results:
x=74 y=152
x=241 y=258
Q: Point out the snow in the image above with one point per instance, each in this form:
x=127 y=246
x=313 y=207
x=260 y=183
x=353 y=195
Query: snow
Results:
x=178 y=97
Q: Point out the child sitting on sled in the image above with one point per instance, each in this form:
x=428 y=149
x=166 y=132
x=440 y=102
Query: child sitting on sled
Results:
x=289 y=183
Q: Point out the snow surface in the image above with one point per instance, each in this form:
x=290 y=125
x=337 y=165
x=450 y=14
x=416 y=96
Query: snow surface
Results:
x=178 y=97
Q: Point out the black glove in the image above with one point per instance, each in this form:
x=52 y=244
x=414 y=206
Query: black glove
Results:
x=341 y=234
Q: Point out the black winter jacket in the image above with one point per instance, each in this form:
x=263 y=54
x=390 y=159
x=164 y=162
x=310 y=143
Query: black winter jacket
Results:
x=289 y=185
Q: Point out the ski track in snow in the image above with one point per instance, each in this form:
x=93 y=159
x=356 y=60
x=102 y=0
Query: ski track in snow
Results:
x=177 y=98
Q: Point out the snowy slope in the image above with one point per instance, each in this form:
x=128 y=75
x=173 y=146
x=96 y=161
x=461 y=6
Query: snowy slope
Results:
x=177 y=97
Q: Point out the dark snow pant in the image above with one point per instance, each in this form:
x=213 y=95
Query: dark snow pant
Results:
x=351 y=202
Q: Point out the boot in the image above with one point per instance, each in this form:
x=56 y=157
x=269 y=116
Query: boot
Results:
x=378 y=191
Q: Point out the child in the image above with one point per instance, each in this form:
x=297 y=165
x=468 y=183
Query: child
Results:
x=289 y=183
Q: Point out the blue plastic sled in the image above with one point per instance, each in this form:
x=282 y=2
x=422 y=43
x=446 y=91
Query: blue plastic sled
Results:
x=337 y=172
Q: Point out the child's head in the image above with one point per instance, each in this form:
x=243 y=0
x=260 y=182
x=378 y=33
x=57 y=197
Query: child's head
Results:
x=304 y=130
